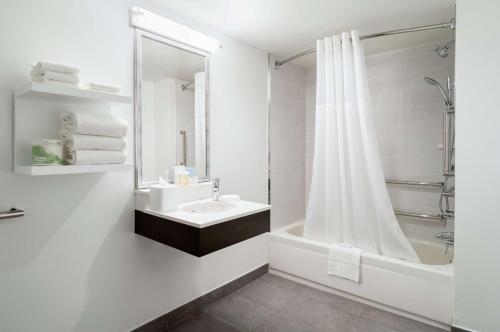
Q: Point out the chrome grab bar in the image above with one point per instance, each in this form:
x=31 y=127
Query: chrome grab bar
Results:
x=415 y=183
x=12 y=213
x=184 y=161
x=418 y=215
x=448 y=113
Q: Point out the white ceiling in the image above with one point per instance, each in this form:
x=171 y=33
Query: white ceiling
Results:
x=286 y=27
x=160 y=61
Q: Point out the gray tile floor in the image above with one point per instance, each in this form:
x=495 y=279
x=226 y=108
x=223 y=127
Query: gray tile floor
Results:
x=275 y=304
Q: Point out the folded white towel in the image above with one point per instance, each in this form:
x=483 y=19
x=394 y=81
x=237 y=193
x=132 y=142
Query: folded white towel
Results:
x=41 y=66
x=104 y=88
x=94 y=157
x=54 y=76
x=344 y=261
x=94 y=124
x=74 y=142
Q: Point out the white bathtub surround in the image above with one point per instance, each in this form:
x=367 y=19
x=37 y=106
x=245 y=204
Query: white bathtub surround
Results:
x=348 y=200
x=287 y=144
x=344 y=261
x=386 y=282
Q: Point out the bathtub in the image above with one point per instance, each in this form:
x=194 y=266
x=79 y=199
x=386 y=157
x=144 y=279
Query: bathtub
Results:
x=421 y=291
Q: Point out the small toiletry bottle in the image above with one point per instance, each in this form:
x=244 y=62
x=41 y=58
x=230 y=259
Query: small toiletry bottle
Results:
x=178 y=174
x=184 y=178
x=192 y=175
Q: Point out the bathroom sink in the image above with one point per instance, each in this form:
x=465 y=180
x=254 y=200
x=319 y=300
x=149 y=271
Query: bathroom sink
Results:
x=207 y=207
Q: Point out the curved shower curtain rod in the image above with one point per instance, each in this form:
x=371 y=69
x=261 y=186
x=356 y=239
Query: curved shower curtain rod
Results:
x=450 y=24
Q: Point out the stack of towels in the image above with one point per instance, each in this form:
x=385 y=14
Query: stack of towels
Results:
x=45 y=71
x=93 y=138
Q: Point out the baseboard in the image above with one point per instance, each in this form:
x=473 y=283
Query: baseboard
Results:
x=459 y=329
x=162 y=323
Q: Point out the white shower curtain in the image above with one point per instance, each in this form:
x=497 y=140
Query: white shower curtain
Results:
x=348 y=200
x=199 y=124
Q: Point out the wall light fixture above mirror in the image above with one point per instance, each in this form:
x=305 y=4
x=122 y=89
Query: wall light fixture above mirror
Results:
x=150 y=22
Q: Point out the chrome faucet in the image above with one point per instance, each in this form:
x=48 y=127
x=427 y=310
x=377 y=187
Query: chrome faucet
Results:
x=215 y=189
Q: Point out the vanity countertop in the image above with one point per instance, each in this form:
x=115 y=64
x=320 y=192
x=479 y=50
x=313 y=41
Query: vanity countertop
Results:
x=200 y=220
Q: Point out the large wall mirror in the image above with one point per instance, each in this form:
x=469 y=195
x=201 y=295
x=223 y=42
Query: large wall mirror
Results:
x=171 y=109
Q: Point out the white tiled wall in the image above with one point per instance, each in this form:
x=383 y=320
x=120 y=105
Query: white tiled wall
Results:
x=408 y=121
x=287 y=145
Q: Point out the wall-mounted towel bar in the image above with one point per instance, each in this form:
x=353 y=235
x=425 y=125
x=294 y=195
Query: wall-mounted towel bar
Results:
x=416 y=183
x=12 y=213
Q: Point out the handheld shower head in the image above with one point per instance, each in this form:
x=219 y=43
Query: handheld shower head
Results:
x=432 y=81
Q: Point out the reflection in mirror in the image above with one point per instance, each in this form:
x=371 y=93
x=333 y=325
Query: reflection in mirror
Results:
x=173 y=111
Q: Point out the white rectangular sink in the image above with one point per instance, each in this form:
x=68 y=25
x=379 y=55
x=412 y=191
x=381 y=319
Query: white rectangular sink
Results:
x=207 y=206
x=205 y=212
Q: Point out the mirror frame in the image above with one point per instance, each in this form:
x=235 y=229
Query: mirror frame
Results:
x=139 y=35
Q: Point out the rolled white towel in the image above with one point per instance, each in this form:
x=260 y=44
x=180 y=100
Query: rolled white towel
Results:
x=53 y=76
x=94 y=124
x=41 y=66
x=74 y=142
x=94 y=157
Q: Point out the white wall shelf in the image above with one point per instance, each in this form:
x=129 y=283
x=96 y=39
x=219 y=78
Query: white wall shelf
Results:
x=71 y=169
x=37 y=108
x=67 y=94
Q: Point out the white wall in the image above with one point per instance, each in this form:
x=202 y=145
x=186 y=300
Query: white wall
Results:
x=477 y=268
x=238 y=133
x=287 y=144
x=407 y=113
x=73 y=262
